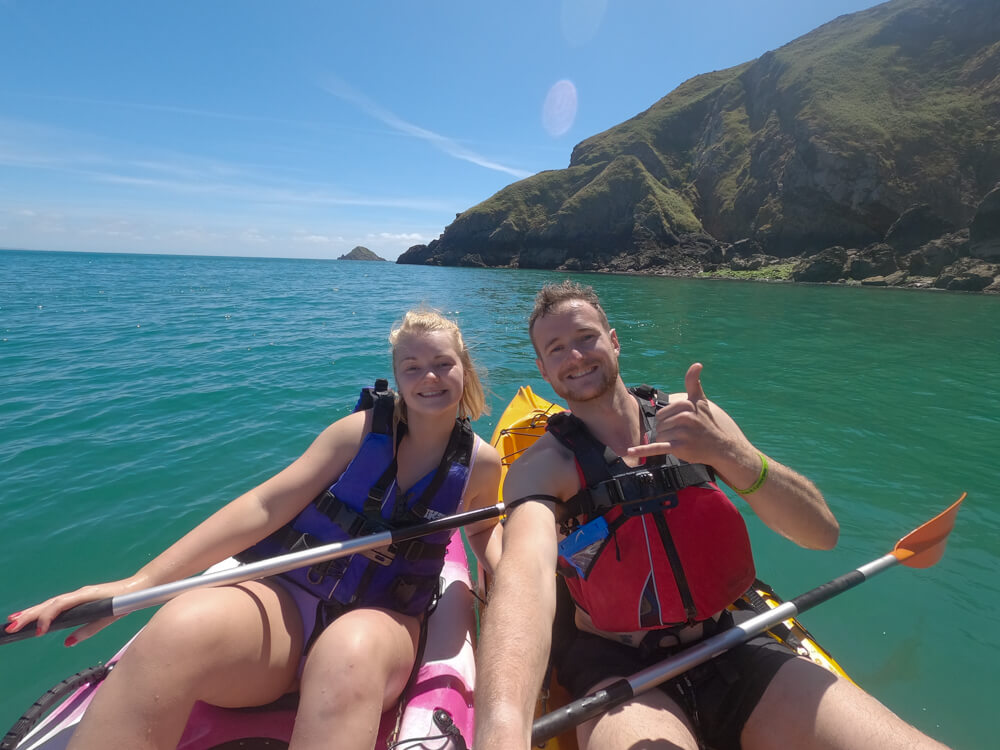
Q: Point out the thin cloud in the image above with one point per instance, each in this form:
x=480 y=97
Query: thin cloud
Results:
x=166 y=108
x=342 y=90
x=25 y=145
x=304 y=194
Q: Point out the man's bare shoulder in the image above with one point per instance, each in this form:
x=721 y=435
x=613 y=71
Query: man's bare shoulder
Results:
x=546 y=448
x=547 y=467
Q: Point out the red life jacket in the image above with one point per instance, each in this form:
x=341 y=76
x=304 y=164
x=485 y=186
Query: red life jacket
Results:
x=647 y=547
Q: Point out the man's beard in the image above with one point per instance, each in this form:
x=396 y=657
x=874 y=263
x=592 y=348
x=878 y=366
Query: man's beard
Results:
x=565 y=389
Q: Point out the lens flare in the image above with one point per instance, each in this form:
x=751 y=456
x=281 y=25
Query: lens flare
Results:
x=559 y=109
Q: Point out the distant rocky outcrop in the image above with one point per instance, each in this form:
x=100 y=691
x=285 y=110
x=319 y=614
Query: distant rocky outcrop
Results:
x=867 y=151
x=360 y=253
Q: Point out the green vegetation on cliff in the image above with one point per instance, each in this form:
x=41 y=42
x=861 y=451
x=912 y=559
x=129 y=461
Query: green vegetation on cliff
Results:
x=824 y=142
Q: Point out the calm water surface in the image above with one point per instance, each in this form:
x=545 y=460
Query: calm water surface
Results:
x=139 y=393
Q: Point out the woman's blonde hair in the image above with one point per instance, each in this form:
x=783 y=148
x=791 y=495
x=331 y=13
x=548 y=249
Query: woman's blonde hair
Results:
x=473 y=403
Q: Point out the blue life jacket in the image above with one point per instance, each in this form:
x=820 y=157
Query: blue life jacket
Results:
x=365 y=499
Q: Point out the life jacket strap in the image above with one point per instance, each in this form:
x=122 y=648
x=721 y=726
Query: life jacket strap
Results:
x=637 y=486
x=458 y=451
x=413 y=550
x=382 y=402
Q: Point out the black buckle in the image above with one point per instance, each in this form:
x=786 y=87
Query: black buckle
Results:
x=615 y=493
x=325 y=501
x=383 y=556
x=645 y=478
x=672 y=477
x=326 y=569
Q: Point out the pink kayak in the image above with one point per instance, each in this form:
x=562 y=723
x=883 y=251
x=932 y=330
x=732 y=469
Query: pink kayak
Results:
x=435 y=713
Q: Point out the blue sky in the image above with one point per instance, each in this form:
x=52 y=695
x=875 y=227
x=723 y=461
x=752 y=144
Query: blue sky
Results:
x=302 y=129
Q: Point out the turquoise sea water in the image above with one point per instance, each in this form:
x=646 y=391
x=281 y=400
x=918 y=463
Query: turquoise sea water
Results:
x=139 y=393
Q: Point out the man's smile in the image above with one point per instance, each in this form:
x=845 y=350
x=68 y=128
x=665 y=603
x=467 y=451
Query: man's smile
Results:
x=581 y=373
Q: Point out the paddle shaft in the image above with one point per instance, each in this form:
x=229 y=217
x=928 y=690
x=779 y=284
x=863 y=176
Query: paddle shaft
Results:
x=125 y=603
x=579 y=711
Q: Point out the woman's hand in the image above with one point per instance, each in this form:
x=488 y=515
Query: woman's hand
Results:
x=44 y=613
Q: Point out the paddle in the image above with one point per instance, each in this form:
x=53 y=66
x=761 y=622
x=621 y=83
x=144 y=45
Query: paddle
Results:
x=921 y=548
x=123 y=604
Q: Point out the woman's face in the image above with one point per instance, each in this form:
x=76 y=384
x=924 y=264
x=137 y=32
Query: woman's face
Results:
x=429 y=372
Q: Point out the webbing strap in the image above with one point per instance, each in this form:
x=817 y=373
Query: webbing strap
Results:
x=607 y=479
x=458 y=451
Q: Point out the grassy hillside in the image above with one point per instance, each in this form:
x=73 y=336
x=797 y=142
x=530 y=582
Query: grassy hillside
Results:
x=824 y=142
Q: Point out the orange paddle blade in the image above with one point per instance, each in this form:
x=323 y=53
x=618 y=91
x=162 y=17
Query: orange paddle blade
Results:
x=924 y=546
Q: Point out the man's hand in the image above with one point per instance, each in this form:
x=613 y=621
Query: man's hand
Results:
x=688 y=427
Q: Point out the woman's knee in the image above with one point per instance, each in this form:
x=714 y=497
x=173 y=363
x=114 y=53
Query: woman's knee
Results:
x=368 y=657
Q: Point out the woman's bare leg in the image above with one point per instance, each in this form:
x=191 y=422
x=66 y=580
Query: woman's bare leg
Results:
x=229 y=646
x=355 y=670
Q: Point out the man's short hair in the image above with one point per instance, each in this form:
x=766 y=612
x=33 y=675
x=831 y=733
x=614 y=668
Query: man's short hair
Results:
x=551 y=296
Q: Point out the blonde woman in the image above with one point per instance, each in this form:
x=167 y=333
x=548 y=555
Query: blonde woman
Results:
x=344 y=634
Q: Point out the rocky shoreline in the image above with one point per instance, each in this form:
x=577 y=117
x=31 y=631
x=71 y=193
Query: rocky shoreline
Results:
x=913 y=255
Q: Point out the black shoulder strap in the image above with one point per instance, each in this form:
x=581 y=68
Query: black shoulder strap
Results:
x=458 y=451
x=382 y=401
x=650 y=402
x=592 y=456
x=645 y=392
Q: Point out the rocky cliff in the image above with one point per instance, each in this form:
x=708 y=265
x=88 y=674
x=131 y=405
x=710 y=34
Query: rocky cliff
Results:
x=868 y=146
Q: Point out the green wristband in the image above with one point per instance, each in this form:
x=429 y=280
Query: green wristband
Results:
x=760 y=479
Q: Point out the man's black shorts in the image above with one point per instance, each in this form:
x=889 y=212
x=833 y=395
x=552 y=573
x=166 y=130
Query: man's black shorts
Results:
x=718 y=696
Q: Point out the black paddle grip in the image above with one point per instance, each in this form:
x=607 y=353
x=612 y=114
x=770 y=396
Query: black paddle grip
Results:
x=827 y=591
x=565 y=718
x=81 y=614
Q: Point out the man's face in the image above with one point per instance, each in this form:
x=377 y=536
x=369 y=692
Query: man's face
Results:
x=578 y=357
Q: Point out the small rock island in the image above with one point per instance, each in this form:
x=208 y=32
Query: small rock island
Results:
x=360 y=253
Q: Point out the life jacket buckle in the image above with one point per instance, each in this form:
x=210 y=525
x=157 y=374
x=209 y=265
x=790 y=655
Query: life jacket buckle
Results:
x=303 y=542
x=383 y=556
x=615 y=493
x=672 y=477
x=325 y=502
x=327 y=569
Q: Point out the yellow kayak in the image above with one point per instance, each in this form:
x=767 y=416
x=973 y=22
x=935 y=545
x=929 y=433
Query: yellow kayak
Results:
x=523 y=422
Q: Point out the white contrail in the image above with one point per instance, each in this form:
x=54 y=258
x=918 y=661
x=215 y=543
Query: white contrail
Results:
x=344 y=91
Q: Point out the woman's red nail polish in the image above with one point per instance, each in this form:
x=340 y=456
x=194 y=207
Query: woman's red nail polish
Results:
x=11 y=625
x=11 y=617
x=71 y=641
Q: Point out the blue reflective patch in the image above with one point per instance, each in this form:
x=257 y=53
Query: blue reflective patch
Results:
x=581 y=547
